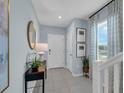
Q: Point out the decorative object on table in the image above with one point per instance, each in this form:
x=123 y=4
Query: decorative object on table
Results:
x=85 y=61
x=80 y=34
x=80 y=50
x=41 y=49
x=34 y=61
x=36 y=64
x=4 y=44
x=31 y=35
x=30 y=58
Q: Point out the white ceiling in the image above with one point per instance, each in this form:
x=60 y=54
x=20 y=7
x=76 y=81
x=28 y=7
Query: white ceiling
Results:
x=48 y=10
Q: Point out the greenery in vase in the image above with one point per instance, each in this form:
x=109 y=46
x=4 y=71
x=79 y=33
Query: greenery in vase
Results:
x=85 y=61
x=36 y=63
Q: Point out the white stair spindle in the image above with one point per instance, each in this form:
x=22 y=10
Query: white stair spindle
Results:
x=106 y=81
x=96 y=78
x=116 y=78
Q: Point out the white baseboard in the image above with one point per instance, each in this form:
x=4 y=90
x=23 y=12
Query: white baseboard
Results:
x=77 y=75
x=54 y=68
x=68 y=69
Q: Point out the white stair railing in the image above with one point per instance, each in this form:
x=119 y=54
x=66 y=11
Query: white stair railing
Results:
x=101 y=74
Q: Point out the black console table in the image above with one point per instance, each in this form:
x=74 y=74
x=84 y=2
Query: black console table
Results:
x=31 y=76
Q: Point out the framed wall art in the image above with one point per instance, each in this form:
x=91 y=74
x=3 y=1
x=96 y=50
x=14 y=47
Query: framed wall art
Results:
x=80 y=34
x=80 y=50
x=4 y=44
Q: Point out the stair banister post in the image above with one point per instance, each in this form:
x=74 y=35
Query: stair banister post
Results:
x=96 y=77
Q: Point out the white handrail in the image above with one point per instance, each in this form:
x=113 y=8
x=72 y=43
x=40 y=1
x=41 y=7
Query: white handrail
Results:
x=112 y=61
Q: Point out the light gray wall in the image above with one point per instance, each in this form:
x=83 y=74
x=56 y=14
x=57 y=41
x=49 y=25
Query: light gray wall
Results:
x=45 y=30
x=20 y=13
x=77 y=63
x=69 y=48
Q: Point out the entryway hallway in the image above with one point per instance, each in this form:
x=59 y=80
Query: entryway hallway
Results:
x=60 y=80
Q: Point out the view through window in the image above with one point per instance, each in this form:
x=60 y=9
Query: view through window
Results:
x=102 y=40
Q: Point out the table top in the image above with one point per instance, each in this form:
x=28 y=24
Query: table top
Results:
x=29 y=75
x=40 y=70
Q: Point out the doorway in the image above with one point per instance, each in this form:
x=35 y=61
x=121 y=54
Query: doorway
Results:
x=56 y=53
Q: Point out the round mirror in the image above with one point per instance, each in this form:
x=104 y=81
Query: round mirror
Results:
x=31 y=35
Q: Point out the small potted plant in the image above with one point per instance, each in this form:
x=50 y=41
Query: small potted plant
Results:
x=35 y=65
x=85 y=61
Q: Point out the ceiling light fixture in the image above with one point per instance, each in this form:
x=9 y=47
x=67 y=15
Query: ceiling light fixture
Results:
x=59 y=17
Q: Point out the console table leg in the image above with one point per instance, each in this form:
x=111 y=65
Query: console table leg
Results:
x=25 y=87
x=43 y=85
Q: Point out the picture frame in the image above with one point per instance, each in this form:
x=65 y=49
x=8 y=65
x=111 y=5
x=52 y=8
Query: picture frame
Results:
x=4 y=45
x=80 y=50
x=80 y=34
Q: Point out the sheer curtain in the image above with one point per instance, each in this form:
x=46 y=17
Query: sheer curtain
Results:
x=115 y=38
x=114 y=18
x=94 y=21
x=113 y=14
x=93 y=38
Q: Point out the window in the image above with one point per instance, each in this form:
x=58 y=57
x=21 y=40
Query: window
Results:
x=102 y=41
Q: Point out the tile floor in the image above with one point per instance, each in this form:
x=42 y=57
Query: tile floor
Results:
x=62 y=81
